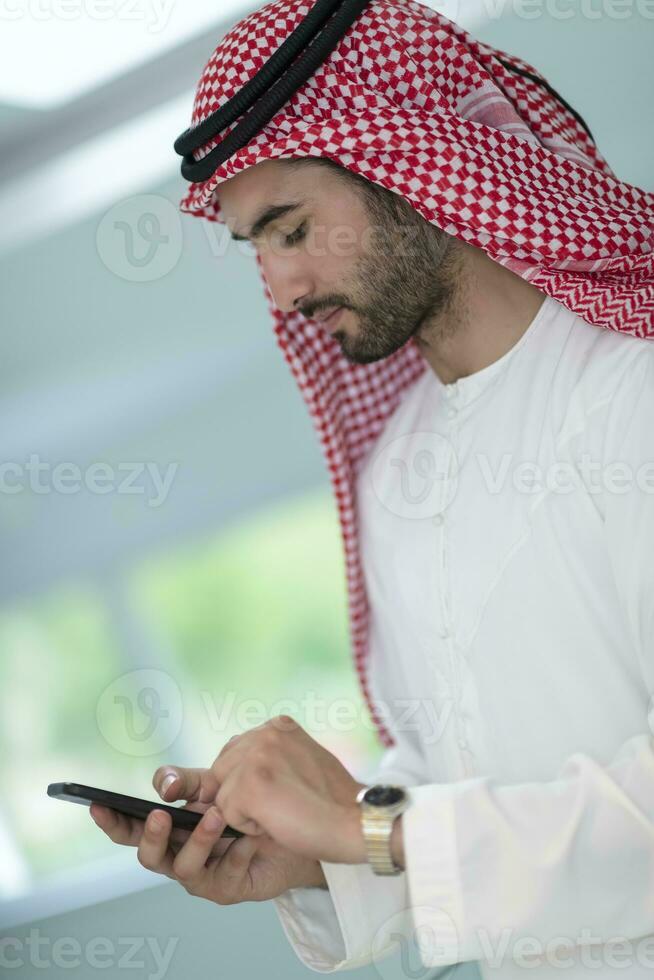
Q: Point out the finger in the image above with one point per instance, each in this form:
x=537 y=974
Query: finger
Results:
x=120 y=828
x=221 y=845
x=153 y=851
x=239 y=741
x=231 y=742
x=252 y=828
x=181 y=783
x=190 y=863
x=227 y=876
x=227 y=762
x=230 y=789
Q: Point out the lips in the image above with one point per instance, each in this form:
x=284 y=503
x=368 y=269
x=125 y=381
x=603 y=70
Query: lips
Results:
x=323 y=317
x=333 y=319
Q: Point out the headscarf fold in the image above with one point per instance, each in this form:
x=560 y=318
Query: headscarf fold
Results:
x=478 y=142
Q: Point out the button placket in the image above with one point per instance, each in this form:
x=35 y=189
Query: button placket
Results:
x=446 y=631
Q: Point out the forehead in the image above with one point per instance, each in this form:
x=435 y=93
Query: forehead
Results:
x=254 y=186
x=268 y=182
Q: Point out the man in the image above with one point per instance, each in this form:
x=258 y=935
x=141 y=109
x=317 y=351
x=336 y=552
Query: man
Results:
x=492 y=455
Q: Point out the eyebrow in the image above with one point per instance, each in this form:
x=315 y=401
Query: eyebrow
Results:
x=269 y=214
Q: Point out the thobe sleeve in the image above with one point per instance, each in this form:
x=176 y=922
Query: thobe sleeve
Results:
x=360 y=915
x=560 y=864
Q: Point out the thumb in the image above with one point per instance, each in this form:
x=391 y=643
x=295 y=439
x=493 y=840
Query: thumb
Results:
x=182 y=783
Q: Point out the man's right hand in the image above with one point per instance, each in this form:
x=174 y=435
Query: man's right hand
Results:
x=225 y=870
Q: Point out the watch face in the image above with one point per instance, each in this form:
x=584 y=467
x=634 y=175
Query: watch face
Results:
x=384 y=795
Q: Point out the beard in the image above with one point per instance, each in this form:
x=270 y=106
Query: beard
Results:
x=412 y=273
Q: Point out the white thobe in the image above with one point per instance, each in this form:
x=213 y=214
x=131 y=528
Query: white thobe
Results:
x=507 y=535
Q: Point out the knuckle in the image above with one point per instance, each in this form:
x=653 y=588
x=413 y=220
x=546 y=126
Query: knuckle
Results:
x=261 y=763
x=270 y=735
x=260 y=756
x=260 y=773
x=263 y=737
x=230 y=741
x=145 y=861
x=180 y=872
x=283 y=724
x=189 y=879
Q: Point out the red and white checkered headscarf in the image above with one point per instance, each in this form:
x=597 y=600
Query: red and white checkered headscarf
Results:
x=413 y=103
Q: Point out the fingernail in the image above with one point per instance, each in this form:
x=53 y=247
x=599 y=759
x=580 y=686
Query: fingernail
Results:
x=212 y=819
x=168 y=781
x=157 y=821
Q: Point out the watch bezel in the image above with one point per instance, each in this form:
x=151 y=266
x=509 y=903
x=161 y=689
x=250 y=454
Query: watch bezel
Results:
x=361 y=796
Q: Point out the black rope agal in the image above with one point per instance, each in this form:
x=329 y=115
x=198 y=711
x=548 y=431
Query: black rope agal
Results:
x=267 y=91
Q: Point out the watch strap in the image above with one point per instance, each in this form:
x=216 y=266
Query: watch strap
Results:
x=377 y=831
x=377 y=822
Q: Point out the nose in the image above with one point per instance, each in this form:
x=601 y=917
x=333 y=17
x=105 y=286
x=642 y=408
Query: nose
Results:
x=289 y=280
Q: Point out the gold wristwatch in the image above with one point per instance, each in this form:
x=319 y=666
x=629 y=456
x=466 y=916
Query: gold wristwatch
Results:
x=380 y=806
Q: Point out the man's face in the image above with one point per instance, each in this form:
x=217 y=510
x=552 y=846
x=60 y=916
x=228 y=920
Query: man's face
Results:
x=370 y=253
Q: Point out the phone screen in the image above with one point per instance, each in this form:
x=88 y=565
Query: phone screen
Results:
x=132 y=806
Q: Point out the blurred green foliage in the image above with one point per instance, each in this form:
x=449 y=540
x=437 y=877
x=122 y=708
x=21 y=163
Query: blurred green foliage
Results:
x=257 y=609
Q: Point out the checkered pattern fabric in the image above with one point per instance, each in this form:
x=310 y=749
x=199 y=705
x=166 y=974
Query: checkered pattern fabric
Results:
x=412 y=102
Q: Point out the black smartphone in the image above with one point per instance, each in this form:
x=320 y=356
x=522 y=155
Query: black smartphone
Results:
x=132 y=806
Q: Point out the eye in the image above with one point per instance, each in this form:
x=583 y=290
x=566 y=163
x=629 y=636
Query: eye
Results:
x=297 y=235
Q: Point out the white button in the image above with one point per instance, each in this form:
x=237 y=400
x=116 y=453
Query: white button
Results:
x=444 y=633
x=451 y=411
x=462 y=743
x=438 y=520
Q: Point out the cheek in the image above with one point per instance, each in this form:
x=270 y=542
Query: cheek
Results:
x=343 y=244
